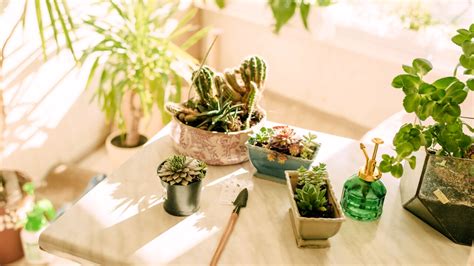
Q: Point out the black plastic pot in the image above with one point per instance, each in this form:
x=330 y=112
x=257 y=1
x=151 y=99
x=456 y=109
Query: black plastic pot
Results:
x=182 y=200
x=439 y=191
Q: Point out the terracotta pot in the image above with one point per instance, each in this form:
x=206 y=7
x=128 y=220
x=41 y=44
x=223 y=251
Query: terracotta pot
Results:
x=10 y=241
x=118 y=155
x=214 y=148
x=314 y=228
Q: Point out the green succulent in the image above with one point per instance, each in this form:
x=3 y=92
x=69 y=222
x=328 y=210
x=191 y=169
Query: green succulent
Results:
x=309 y=146
x=311 y=199
x=262 y=137
x=182 y=170
x=315 y=176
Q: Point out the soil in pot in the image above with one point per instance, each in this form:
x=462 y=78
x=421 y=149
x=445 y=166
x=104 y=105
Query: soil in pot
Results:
x=118 y=141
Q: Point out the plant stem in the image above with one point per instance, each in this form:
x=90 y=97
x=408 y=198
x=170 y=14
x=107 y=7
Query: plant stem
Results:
x=132 y=114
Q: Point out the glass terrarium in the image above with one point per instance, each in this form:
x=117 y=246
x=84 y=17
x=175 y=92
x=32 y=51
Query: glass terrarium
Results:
x=440 y=192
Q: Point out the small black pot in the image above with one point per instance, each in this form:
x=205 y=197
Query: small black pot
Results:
x=182 y=200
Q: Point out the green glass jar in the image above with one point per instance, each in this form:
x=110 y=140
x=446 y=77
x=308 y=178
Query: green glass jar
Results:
x=363 y=193
x=362 y=200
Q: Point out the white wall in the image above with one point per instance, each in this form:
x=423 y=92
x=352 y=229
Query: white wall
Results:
x=338 y=67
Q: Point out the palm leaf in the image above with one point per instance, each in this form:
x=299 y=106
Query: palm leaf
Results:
x=65 y=29
x=39 y=19
x=195 y=38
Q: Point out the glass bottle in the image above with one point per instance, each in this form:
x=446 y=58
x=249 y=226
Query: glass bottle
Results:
x=363 y=193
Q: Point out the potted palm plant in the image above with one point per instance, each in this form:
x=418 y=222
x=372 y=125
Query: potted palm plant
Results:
x=315 y=212
x=214 y=126
x=139 y=65
x=181 y=176
x=276 y=149
x=436 y=186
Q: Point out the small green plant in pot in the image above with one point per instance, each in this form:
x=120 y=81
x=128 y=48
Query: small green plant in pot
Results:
x=315 y=212
x=438 y=179
x=181 y=176
x=139 y=65
x=214 y=125
x=274 y=150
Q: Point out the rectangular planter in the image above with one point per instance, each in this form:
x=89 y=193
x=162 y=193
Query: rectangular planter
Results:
x=439 y=191
x=314 y=228
x=267 y=162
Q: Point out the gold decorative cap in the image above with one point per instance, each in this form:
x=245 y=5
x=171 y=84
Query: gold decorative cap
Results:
x=370 y=172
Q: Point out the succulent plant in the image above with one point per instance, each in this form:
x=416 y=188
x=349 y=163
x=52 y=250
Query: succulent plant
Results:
x=315 y=176
x=226 y=102
x=253 y=69
x=311 y=200
x=181 y=170
x=283 y=139
x=309 y=146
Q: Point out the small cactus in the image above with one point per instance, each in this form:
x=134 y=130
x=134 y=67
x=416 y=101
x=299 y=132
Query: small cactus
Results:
x=224 y=90
x=182 y=170
x=231 y=78
x=253 y=69
x=203 y=80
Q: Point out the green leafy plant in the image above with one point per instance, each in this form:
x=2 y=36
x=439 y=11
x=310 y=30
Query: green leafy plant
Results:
x=225 y=102
x=439 y=101
x=315 y=175
x=182 y=170
x=138 y=62
x=283 y=139
x=284 y=10
x=41 y=212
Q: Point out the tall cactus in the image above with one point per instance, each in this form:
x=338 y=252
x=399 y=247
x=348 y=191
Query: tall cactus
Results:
x=203 y=80
x=252 y=99
x=253 y=69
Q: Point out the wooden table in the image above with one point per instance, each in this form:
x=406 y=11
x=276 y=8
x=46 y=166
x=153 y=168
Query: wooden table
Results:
x=122 y=220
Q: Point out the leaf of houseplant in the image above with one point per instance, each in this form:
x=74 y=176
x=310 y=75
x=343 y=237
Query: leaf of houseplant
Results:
x=304 y=11
x=411 y=102
x=470 y=84
x=397 y=170
x=220 y=3
x=283 y=11
x=422 y=66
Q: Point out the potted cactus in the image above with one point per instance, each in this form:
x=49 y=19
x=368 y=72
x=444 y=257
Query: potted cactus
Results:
x=315 y=211
x=181 y=176
x=277 y=149
x=214 y=126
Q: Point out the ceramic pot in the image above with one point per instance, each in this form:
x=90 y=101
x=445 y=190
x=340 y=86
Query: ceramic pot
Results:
x=314 y=228
x=439 y=192
x=214 y=148
x=272 y=165
x=118 y=155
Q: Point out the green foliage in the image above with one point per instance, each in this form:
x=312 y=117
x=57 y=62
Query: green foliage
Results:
x=136 y=53
x=311 y=199
x=284 y=10
x=262 y=137
x=310 y=146
x=226 y=102
x=440 y=101
x=316 y=175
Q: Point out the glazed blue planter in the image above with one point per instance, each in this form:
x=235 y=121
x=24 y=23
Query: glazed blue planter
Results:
x=272 y=165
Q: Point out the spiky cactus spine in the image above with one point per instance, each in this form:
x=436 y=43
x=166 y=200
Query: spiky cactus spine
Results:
x=251 y=103
x=203 y=80
x=181 y=170
x=253 y=69
x=224 y=90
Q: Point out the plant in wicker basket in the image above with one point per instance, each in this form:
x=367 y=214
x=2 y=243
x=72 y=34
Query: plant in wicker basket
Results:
x=181 y=170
